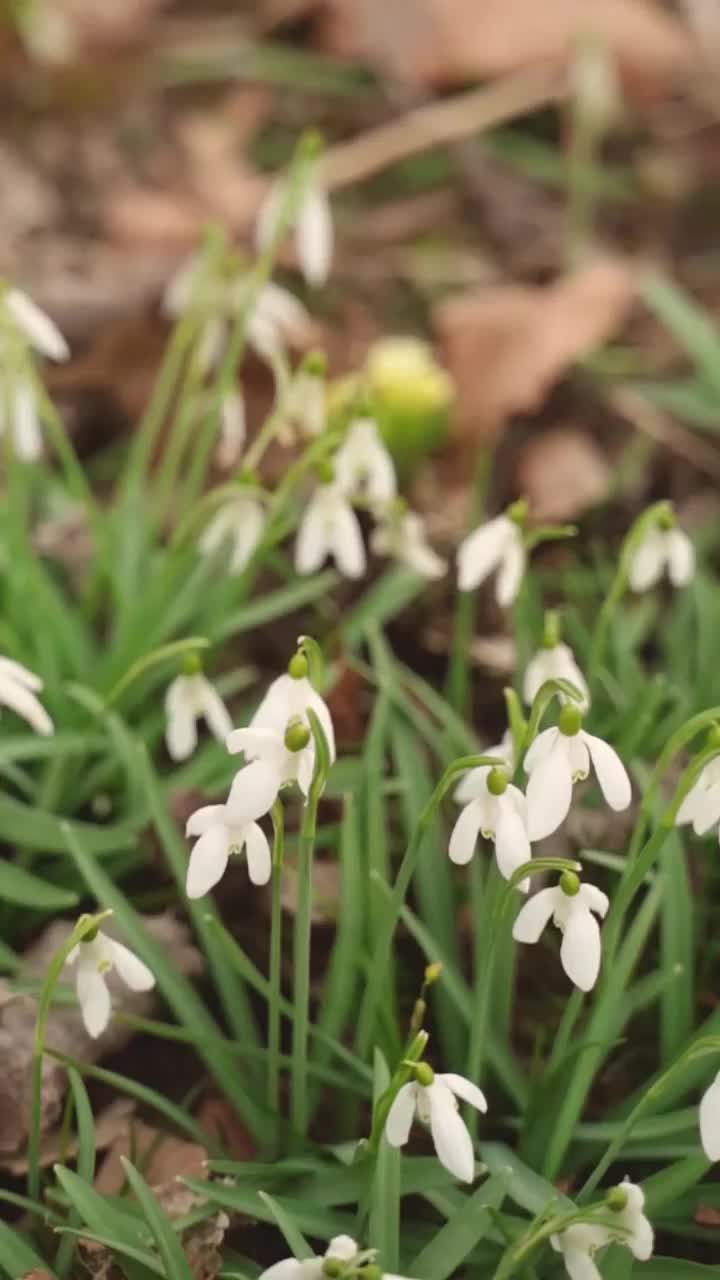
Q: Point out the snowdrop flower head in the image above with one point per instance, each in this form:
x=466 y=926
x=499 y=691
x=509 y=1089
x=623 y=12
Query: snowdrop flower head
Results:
x=277 y=320
x=191 y=697
x=626 y=1203
x=330 y=529
x=663 y=549
x=572 y=907
x=305 y=406
x=701 y=805
x=578 y=1244
x=554 y=661
x=364 y=469
x=20 y=415
x=290 y=697
x=18 y=688
x=472 y=783
x=240 y=522
x=312 y=222
x=219 y=836
x=497 y=810
x=401 y=533
x=96 y=956
x=232 y=431
x=33 y=325
x=497 y=545
x=343 y=1260
x=433 y=1098
x=710 y=1120
x=560 y=757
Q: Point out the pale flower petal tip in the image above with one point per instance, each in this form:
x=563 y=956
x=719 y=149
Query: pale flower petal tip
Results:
x=496 y=545
x=40 y=331
x=95 y=958
x=560 y=757
x=330 y=529
x=572 y=906
x=435 y=1103
x=710 y=1120
x=662 y=551
x=17 y=692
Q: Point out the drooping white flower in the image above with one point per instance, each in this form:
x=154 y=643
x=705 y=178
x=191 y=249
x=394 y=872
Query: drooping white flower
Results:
x=20 y=417
x=498 y=810
x=232 y=431
x=290 y=697
x=662 y=550
x=313 y=228
x=554 y=663
x=189 y=698
x=305 y=405
x=471 y=782
x=95 y=958
x=710 y=1120
x=363 y=467
x=402 y=534
x=330 y=528
x=36 y=327
x=18 y=687
x=497 y=545
x=239 y=521
x=277 y=320
x=342 y=1249
x=434 y=1099
x=701 y=805
x=219 y=838
x=578 y=1244
x=570 y=905
x=560 y=757
x=627 y=1226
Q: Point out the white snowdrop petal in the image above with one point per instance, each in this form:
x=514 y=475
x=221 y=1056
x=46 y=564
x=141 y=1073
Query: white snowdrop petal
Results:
x=203 y=819
x=306 y=770
x=420 y=557
x=549 y=793
x=594 y=899
x=580 y=1265
x=510 y=572
x=706 y=810
x=259 y=860
x=268 y=215
x=248 y=531
x=710 y=1120
x=16 y=671
x=286 y=1269
x=534 y=916
x=131 y=969
x=450 y=1136
x=263 y=736
x=217 y=716
x=465 y=833
x=27 y=435
x=94 y=999
x=39 y=329
x=314 y=702
x=253 y=792
x=610 y=772
x=20 y=699
x=692 y=803
x=181 y=730
x=580 y=951
x=512 y=846
x=480 y=552
x=648 y=562
x=539 y=670
x=314 y=542
x=208 y=861
x=680 y=558
x=343 y=1247
x=348 y=549
x=315 y=235
x=541 y=748
x=400 y=1116
x=472 y=785
x=464 y=1089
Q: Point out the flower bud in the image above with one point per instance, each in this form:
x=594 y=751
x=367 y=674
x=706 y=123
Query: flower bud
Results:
x=424 y=1073
x=666 y=517
x=371 y=1272
x=432 y=973
x=616 y=1199
x=191 y=664
x=333 y=1268
x=712 y=741
x=411 y=396
x=297 y=736
x=551 y=629
x=497 y=781
x=518 y=512
x=570 y=883
x=315 y=364
x=570 y=721
x=91 y=934
x=298 y=666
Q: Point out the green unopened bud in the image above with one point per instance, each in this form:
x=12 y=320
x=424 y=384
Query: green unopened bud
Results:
x=616 y=1199
x=298 y=666
x=712 y=741
x=570 y=883
x=312 y=144
x=497 y=781
x=424 y=1074
x=333 y=1268
x=666 y=517
x=315 y=364
x=432 y=973
x=247 y=479
x=297 y=736
x=551 y=629
x=411 y=397
x=570 y=721
x=191 y=664
x=91 y=934
x=518 y=512
x=371 y=1272
x=325 y=471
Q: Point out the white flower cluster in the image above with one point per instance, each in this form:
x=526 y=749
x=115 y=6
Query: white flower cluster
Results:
x=23 y=326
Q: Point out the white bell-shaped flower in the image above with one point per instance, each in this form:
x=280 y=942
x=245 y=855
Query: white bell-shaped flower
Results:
x=18 y=688
x=701 y=805
x=330 y=529
x=433 y=1098
x=497 y=545
x=240 y=521
x=662 y=550
x=36 y=327
x=277 y=320
x=313 y=228
x=556 y=662
x=290 y=697
x=471 y=783
x=578 y=1245
x=20 y=416
x=95 y=957
x=560 y=757
x=305 y=407
x=189 y=698
x=626 y=1202
x=402 y=534
x=219 y=837
x=498 y=811
x=349 y=1261
x=570 y=906
x=710 y=1120
x=233 y=431
x=364 y=469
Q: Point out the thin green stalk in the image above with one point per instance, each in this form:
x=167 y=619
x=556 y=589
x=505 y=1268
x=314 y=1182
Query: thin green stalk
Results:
x=275 y=967
x=301 y=964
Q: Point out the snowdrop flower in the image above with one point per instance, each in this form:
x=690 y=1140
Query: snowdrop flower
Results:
x=290 y=697
x=277 y=320
x=341 y=1258
x=401 y=533
x=220 y=836
x=701 y=806
x=570 y=905
x=710 y=1120
x=330 y=528
x=497 y=809
x=364 y=469
x=581 y=1241
x=578 y=1244
x=96 y=956
x=313 y=228
x=471 y=782
x=554 y=662
x=434 y=1099
x=664 y=548
x=20 y=415
x=18 y=687
x=239 y=521
x=305 y=404
x=232 y=431
x=35 y=326
x=189 y=698
x=560 y=757
x=496 y=545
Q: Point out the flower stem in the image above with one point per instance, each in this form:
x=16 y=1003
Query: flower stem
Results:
x=301 y=964
x=275 y=967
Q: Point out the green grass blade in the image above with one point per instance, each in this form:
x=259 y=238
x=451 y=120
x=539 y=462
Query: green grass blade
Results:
x=295 y=1239
x=168 y=1245
x=461 y=1233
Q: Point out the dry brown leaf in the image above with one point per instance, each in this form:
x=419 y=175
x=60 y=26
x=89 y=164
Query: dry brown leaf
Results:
x=218 y=1120
x=506 y=346
x=562 y=472
x=162 y=1157
x=140 y=216
x=440 y=42
x=56 y=1146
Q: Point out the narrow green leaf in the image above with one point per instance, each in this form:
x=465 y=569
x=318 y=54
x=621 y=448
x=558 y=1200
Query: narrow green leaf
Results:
x=461 y=1233
x=17 y=1257
x=168 y=1244
x=294 y=1238
x=27 y=890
